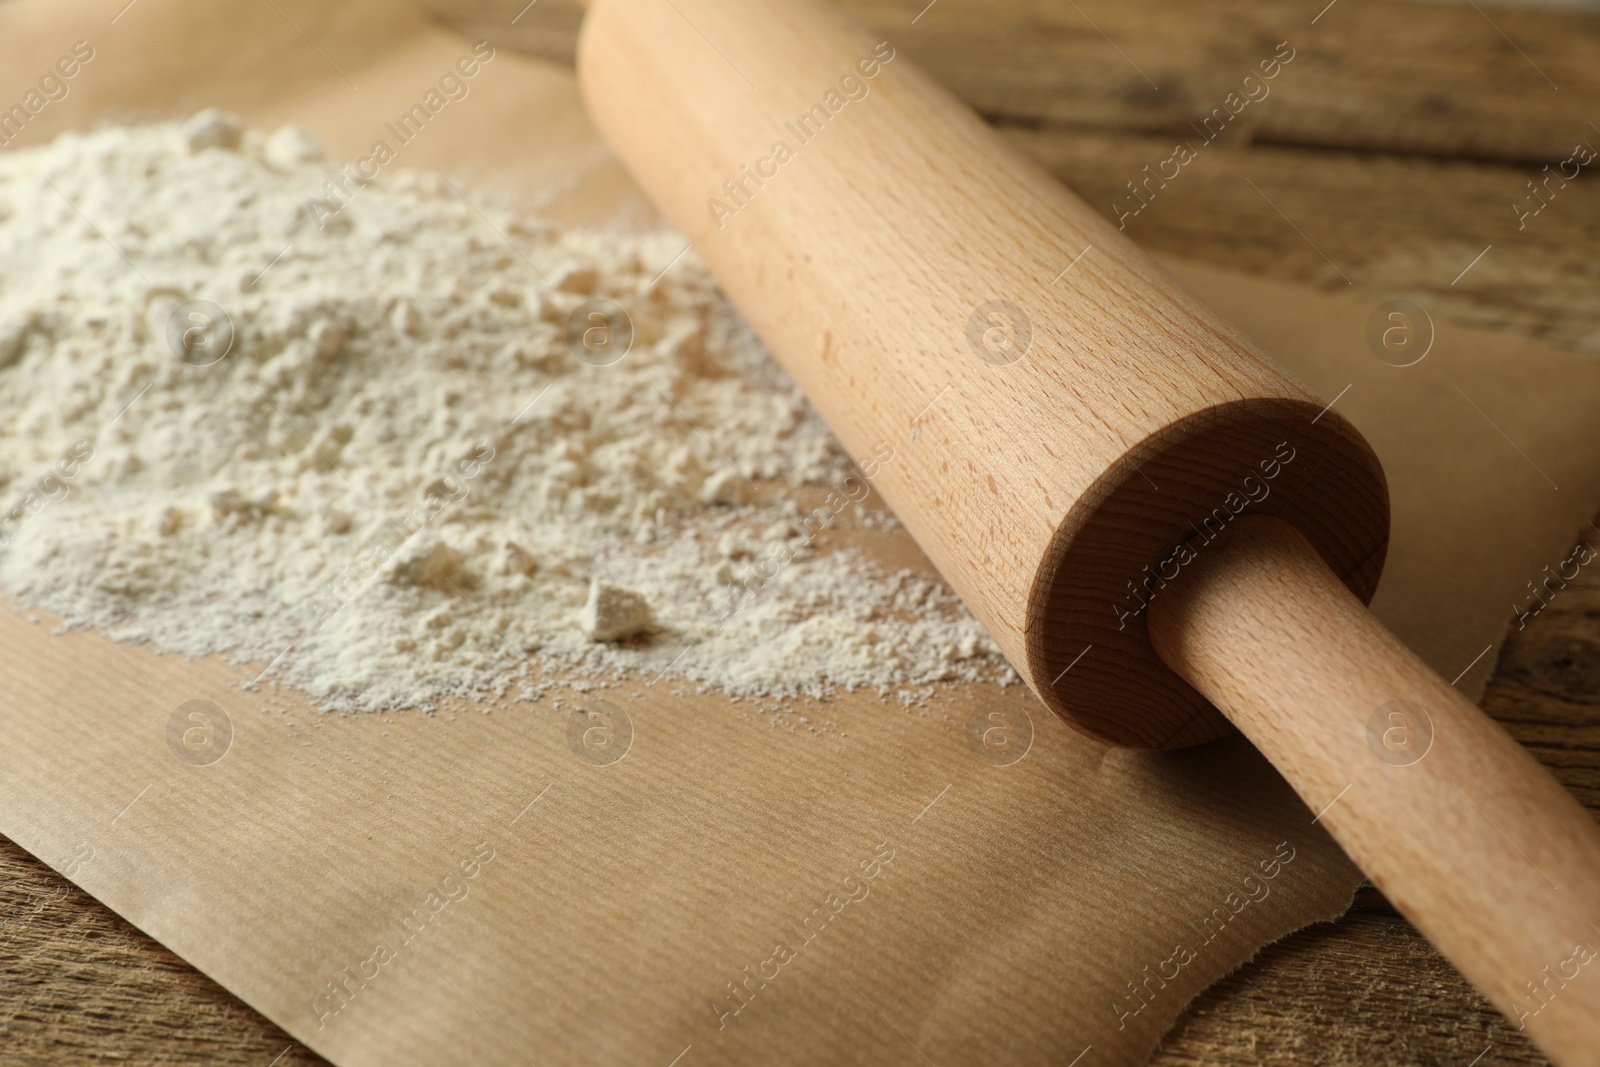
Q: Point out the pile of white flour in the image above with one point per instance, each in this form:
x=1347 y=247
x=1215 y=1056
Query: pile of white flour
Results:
x=401 y=484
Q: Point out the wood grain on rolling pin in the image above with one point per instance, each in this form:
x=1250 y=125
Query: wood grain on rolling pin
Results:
x=1122 y=411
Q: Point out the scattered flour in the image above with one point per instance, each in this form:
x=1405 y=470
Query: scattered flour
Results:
x=399 y=483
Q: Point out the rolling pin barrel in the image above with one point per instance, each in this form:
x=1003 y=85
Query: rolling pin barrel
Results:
x=1079 y=445
x=1061 y=412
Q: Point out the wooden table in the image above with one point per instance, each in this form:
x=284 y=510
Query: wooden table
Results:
x=1386 y=161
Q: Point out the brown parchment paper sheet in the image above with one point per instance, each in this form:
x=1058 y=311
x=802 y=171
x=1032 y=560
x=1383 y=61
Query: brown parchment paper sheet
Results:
x=868 y=886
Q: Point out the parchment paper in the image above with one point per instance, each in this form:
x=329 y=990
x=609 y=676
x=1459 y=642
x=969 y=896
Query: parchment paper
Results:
x=966 y=882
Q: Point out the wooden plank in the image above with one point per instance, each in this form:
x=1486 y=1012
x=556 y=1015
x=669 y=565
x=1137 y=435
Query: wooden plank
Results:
x=1450 y=80
x=1392 y=225
x=1434 y=79
x=1366 y=990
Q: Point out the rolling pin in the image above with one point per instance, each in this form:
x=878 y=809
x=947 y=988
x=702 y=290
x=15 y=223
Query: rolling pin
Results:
x=1167 y=536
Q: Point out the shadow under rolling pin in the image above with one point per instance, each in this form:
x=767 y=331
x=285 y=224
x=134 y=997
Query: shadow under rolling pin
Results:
x=1040 y=378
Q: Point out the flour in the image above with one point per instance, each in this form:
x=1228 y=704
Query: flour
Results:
x=612 y=613
x=399 y=480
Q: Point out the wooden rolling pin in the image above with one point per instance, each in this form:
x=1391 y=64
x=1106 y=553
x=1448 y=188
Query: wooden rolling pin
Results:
x=1163 y=531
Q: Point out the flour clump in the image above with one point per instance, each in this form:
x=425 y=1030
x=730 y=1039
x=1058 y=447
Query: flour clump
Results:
x=613 y=613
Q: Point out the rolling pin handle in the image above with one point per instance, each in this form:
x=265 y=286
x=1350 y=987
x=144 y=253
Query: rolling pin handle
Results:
x=1461 y=828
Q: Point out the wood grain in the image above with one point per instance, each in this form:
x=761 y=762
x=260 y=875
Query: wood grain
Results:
x=1423 y=79
x=83 y=986
x=1379 y=225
